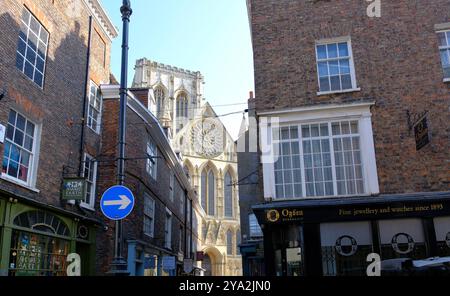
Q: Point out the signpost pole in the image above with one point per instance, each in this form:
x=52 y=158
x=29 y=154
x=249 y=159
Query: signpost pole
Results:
x=119 y=264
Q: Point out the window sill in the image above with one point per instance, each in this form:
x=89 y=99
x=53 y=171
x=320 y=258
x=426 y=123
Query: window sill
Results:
x=14 y=181
x=319 y=197
x=323 y=93
x=87 y=207
x=94 y=131
x=446 y=80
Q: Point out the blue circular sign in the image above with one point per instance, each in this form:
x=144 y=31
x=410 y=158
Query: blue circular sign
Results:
x=117 y=202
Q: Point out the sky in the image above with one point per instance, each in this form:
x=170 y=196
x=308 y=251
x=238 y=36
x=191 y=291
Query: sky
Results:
x=209 y=36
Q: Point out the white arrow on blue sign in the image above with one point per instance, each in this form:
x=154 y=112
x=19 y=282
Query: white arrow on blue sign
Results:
x=117 y=202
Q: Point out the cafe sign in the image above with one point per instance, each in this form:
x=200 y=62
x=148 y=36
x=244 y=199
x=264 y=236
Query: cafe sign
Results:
x=74 y=189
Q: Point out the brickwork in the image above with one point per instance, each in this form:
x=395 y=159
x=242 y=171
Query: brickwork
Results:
x=397 y=64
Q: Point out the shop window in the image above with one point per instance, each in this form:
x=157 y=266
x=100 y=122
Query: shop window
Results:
x=38 y=252
x=403 y=238
x=442 y=227
x=345 y=247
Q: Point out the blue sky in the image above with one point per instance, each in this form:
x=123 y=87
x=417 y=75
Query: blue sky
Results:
x=209 y=36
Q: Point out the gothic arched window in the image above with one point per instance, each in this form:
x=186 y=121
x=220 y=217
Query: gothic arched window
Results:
x=238 y=242
x=229 y=242
x=182 y=110
x=208 y=192
x=159 y=97
x=228 y=194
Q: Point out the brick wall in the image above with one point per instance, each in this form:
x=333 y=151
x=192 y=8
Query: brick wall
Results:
x=397 y=64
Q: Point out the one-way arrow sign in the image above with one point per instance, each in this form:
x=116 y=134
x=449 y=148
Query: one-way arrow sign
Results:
x=117 y=202
x=123 y=202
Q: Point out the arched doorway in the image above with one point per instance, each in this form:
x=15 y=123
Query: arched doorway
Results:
x=212 y=262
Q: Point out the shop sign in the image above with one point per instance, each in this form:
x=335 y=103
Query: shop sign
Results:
x=421 y=133
x=285 y=215
x=168 y=263
x=188 y=265
x=2 y=133
x=74 y=189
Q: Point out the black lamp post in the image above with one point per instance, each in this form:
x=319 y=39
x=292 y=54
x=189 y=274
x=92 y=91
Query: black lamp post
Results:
x=119 y=264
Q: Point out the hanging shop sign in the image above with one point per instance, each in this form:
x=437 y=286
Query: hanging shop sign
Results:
x=2 y=133
x=421 y=133
x=74 y=189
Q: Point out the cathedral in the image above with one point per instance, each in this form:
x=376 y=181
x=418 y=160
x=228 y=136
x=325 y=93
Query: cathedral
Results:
x=209 y=156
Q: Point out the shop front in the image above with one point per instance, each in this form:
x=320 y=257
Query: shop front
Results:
x=36 y=241
x=333 y=237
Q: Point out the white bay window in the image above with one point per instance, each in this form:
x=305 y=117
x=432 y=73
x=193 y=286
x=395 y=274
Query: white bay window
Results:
x=329 y=153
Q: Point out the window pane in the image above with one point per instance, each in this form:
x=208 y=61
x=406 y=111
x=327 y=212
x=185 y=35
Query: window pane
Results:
x=294 y=132
x=334 y=67
x=344 y=66
x=21 y=47
x=29 y=70
x=445 y=57
x=19 y=62
x=324 y=84
x=442 y=40
x=346 y=82
x=332 y=50
x=323 y=69
x=315 y=130
x=322 y=51
x=335 y=83
x=343 y=49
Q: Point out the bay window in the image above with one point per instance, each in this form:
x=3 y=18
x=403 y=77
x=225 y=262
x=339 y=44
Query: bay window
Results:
x=318 y=160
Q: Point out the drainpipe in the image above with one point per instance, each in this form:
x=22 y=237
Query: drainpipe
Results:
x=85 y=99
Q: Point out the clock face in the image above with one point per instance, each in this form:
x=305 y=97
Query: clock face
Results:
x=207 y=138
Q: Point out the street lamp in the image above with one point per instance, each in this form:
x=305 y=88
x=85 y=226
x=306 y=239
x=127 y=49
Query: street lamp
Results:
x=119 y=264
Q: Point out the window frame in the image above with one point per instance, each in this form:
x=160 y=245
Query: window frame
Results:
x=168 y=229
x=332 y=152
x=91 y=204
x=147 y=197
x=39 y=40
x=98 y=120
x=337 y=40
x=313 y=114
x=151 y=166
x=231 y=192
x=34 y=155
x=446 y=32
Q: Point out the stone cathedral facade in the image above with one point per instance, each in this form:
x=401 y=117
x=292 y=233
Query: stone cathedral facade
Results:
x=209 y=157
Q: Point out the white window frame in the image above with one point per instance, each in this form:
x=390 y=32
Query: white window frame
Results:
x=152 y=163
x=152 y=217
x=318 y=114
x=91 y=204
x=447 y=48
x=32 y=172
x=168 y=229
x=39 y=41
x=346 y=39
x=90 y=106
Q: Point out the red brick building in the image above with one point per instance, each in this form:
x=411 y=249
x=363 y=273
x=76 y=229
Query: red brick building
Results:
x=54 y=55
x=161 y=223
x=354 y=126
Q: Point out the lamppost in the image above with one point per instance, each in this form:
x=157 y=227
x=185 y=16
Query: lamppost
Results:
x=119 y=264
